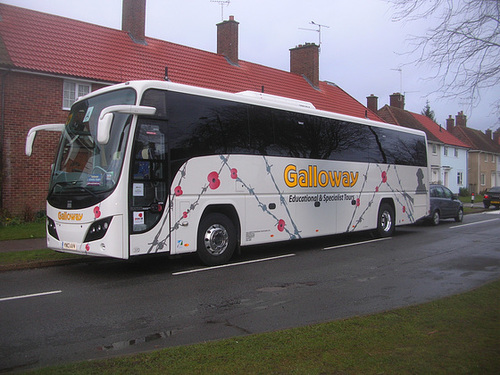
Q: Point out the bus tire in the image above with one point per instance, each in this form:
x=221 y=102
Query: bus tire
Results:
x=385 y=221
x=216 y=239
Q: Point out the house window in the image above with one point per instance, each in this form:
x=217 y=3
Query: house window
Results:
x=434 y=149
x=456 y=152
x=486 y=157
x=483 y=179
x=460 y=178
x=72 y=90
x=445 y=150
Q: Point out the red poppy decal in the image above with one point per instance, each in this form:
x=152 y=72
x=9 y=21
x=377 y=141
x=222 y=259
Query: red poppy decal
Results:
x=97 y=212
x=281 y=225
x=384 y=177
x=234 y=173
x=87 y=247
x=358 y=202
x=213 y=180
x=376 y=189
x=185 y=215
x=404 y=209
x=178 y=191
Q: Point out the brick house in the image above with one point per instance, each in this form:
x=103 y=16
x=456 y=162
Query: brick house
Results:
x=47 y=61
x=447 y=155
x=484 y=154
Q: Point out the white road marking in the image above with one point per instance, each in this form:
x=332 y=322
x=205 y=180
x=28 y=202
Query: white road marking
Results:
x=477 y=222
x=30 y=295
x=232 y=264
x=357 y=243
x=495 y=212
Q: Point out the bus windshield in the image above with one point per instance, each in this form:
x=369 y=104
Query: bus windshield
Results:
x=85 y=170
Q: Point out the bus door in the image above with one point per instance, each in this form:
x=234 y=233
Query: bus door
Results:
x=148 y=193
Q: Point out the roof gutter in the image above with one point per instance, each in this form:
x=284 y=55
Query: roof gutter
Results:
x=60 y=76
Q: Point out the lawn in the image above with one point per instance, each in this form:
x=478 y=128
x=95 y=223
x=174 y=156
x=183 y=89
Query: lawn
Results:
x=23 y=231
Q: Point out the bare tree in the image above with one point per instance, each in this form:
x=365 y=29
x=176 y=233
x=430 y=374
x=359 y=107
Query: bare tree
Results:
x=463 y=47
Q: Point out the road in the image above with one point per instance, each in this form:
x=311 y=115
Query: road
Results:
x=109 y=307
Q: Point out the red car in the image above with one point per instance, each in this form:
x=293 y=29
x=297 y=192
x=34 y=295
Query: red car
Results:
x=492 y=197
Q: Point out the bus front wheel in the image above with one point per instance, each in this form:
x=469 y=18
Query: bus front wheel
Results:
x=386 y=220
x=216 y=239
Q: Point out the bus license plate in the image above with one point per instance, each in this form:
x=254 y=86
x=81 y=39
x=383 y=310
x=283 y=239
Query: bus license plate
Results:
x=69 y=246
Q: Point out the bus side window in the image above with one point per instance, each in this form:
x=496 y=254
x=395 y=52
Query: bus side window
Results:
x=148 y=182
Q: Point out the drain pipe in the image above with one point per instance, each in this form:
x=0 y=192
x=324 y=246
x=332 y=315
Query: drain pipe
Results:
x=2 y=131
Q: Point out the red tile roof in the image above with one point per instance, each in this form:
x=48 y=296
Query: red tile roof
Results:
x=46 y=43
x=435 y=133
x=477 y=139
x=439 y=132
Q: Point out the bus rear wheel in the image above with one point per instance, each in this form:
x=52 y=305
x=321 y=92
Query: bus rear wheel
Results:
x=386 y=220
x=216 y=239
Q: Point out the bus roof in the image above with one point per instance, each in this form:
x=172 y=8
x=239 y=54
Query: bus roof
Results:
x=248 y=97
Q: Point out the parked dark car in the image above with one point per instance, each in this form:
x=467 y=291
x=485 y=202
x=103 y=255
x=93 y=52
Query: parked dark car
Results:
x=444 y=205
x=492 y=197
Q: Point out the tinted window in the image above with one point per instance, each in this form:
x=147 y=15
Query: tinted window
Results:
x=200 y=126
x=204 y=126
x=447 y=193
x=400 y=148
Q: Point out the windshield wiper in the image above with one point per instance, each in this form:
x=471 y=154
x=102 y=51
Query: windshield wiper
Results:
x=88 y=190
x=66 y=183
x=63 y=183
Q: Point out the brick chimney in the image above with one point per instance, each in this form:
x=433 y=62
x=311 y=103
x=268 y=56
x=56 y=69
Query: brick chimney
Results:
x=461 y=119
x=372 y=102
x=496 y=136
x=227 y=39
x=397 y=100
x=450 y=123
x=488 y=133
x=304 y=60
x=134 y=20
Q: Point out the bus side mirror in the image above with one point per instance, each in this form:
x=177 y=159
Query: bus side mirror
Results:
x=104 y=128
x=30 y=138
x=107 y=114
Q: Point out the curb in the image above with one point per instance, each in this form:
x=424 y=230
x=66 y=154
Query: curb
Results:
x=40 y=264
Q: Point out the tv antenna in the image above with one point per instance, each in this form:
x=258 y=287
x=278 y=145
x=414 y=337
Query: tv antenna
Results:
x=221 y=3
x=400 y=70
x=318 y=30
x=400 y=79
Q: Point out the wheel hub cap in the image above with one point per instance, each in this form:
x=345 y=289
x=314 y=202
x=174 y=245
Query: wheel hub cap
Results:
x=386 y=221
x=216 y=239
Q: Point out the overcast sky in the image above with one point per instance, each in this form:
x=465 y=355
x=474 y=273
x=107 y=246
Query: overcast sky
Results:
x=361 y=48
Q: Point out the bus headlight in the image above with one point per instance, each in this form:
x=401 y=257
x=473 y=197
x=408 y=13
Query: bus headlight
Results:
x=98 y=229
x=51 y=228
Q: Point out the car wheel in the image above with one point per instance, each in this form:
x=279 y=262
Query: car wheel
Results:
x=216 y=239
x=486 y=205
x=435 y=218
x=460 y=216
x=386 y=220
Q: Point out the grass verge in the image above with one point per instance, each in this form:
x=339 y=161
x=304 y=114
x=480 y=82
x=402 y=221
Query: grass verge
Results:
x=22 y=231
x=455 y=335
x=34 y=258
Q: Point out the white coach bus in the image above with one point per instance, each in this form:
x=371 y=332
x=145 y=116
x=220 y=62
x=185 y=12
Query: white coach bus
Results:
x=149 y=167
